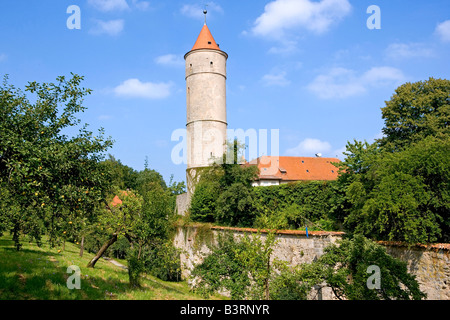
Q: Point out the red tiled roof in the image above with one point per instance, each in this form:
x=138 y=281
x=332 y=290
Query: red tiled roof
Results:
x=205 y=40
x=296 y=168
x=116 y=200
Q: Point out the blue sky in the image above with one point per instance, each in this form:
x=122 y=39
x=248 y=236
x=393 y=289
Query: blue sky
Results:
x=310 y=68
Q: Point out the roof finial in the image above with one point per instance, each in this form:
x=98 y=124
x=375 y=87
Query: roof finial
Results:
x=205 y=12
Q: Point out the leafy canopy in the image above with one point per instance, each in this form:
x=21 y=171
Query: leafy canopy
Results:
x=48 y=176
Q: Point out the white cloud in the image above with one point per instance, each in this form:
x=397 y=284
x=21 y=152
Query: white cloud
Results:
x=408 y=50
x=443 y=31
x=3 y=57
x=170 y=60
x=195 y=11
x=111 y=27
x=276 y=79
x=284 y=15
x=287 y=47
x=109 y=5
x=141 y=5
x=136 y=89
x=104 y=117
x=340 y=83
x=309 y=147
x=382 y=76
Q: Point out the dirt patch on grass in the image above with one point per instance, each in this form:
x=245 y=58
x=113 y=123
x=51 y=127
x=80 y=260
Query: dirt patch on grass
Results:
x=22 y=279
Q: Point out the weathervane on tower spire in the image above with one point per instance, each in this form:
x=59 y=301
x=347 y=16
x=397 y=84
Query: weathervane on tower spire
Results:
x=205 y=12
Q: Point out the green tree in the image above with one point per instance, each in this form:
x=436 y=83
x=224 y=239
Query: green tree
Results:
x=150 y=234
x=243 y=267
x=146 y=179
x=408 y=197
x=50 y=177
x=398 y=187
x=204 y=201
x=235 y=206
x=345 y=268
x=225 y=194
x=415 y=111
x=123 y=177
x=118 y=221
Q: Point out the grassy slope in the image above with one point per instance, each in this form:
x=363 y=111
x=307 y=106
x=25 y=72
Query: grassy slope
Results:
x=40 y=273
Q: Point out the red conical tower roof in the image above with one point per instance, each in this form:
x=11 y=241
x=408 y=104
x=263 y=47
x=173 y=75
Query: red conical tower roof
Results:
x=205 y=40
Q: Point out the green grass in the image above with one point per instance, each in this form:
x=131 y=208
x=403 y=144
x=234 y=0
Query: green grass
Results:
x=40 y=273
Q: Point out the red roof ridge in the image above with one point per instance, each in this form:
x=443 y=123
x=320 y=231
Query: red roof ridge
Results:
x=296 y=168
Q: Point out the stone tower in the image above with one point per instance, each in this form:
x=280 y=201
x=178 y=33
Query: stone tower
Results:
x=206 y=105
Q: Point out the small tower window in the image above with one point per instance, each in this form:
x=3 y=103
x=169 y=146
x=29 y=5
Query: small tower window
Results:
x=209 y=42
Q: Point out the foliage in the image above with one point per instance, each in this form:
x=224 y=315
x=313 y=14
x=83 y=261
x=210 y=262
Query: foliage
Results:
x=235 y=206
x=154 y=227
x=344 y=268
x=50 y=178
x=241 y=267
x=123 y=177
x=147 y=178
x=163 y=261
x=398 y=187
x=204 y=201
x=285 y=284
x=316 y=204
x=176 y=188
x=404 y=196
x=415 y=111
x=224 y=192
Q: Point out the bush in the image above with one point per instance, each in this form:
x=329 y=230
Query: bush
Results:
x=203 y=203
x=292 y=206
x=163 y=261
x=235 y=206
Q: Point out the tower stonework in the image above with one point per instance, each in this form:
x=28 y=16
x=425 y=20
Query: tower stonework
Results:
x=205 y=105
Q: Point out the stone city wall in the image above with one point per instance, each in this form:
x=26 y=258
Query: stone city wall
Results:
x=430 y=264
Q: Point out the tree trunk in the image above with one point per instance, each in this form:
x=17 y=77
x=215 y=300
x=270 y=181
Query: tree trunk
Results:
x=82 y=246
x=102 y=250
x=139 y=252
